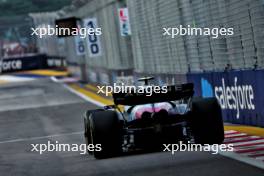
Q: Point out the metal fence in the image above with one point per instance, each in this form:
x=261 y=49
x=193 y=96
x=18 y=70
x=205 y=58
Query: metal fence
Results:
x=155 y=53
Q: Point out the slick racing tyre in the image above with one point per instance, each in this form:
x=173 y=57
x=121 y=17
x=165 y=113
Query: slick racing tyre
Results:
x=87 y=135
x=206 y=121
x=105 y=129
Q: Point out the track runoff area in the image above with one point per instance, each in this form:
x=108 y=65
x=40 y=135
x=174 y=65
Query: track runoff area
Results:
x=248 y=142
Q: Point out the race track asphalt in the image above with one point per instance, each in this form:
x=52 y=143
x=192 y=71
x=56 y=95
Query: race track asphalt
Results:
x=40 y=111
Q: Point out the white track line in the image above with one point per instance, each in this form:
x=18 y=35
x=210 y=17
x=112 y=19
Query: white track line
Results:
x=235 y=135
x=88 y=99
x=97 y=103
x=40 y=137
x=245 y=159
x=10 y=78
x=230 y=131
x=246 y=138
x=248 y=142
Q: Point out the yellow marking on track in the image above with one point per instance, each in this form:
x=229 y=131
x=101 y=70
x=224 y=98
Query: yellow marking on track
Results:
x=94 y=96
x=257 y=131
x=3 y=82
x=94 y=88
x=47 y=72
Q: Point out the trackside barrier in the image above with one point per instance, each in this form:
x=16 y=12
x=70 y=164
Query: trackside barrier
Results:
x=240 y=94
x=31 y=62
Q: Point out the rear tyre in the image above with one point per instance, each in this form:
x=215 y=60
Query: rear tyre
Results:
x=206 y=121
x=87 y=134
x=105 y=130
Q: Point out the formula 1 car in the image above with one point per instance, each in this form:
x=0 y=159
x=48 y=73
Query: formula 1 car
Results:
x=162 y=118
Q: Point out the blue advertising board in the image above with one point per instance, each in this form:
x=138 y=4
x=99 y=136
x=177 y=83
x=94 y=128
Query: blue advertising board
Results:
x=31 y=62
x=239 y=93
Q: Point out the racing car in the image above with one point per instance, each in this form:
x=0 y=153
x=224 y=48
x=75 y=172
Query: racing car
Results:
x=148 y=122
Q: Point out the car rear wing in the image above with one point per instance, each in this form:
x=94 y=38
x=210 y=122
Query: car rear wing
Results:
x=174 y=92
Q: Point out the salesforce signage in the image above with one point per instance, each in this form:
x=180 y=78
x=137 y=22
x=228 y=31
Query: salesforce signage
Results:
x=240 y=94
x=233 y=96
x=10 y=65
x=31 y=62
